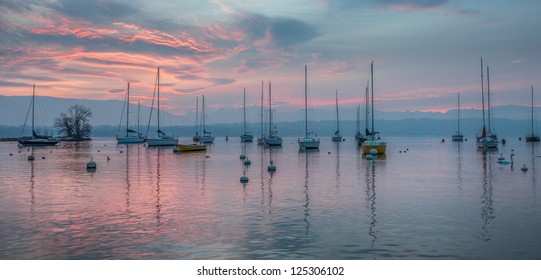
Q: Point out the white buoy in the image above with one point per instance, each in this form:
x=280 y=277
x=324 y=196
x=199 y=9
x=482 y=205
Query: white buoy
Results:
x=524 y=168
x=373 y=152
x=244 y=179
x=271 y=167
x=91 y=165
x=242 y=156
x=369 y=156
x=247 y=162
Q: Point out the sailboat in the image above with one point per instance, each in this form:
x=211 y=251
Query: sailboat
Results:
x=131 y=136
x=359 y=137
x=532 y=137
x=272 y=139
x=246 y=135
x=161 y=139
x=486 y=140
x=308 y=141
x=458 y=137
x=35 y=139
x=337 y=137
x=207 y=137
x=373 y=142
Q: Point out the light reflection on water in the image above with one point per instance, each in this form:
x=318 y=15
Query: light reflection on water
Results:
x=431 y=200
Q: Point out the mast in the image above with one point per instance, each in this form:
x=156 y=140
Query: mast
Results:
x=196 y=115
x=203 y=114
x=532 y=110
x=33 y=107
x=305 y=100
x=261 y=122
x=337 y=120
x=138 y=111
x=458 y=113
x=270 y=111
x=158 y=80
x=482 y=93
x=357 y=124
x=367 y=111
x=128 y=111
x=488 y=99
x=244 y=112
x=372 y=98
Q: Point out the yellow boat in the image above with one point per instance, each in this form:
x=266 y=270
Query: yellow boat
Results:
x=191 y=147
x=378 y=145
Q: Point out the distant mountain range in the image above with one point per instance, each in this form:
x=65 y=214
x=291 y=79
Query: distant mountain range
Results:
x=13 y=110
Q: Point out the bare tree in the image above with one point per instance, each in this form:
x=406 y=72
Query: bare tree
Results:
x=75 y=124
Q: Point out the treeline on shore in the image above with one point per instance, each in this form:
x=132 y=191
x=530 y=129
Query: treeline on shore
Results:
x=405 y=127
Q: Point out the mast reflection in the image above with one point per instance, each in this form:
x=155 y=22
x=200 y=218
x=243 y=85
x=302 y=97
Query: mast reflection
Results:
x=32 y=184
x=308 y=156
x=370 y=179
x=266 y=183
x=487 y=207
x=157 y=192
x=337 y=151
x=128 y=183
x=533 y=173
x=459 y=168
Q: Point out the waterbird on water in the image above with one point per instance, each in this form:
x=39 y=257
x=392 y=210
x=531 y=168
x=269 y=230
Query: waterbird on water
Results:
x=524 y=168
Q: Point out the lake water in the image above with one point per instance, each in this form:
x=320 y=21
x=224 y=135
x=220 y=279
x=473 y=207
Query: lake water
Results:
x=433 y=201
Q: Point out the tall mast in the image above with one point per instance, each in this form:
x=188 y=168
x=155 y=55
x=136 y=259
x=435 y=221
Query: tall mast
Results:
x=244 y=112
x=458 y=113
x=532 y=110
x=261 y=122
x=158 y=80
x=197 y=115
x=306 y=100
x=270 y=110
x=337 y=120
x=128 y=111
x=357 y=124
x=138 y=111
x=33 y=97
x=488 y=99
x=482 y=93
x=372 y=98
x=203 y=114
x=367 y=111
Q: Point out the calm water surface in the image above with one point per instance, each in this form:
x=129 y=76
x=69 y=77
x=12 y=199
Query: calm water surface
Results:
x=433 y=201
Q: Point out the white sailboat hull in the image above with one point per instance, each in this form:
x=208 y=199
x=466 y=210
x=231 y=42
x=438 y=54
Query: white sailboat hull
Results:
x=129 y=140
x=206 y=139
x=161 y=141
x=273 y=141
x=246 y=138
x=308 y=143
x=487 y=143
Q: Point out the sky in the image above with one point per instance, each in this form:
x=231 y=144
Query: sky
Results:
x=424 y=51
